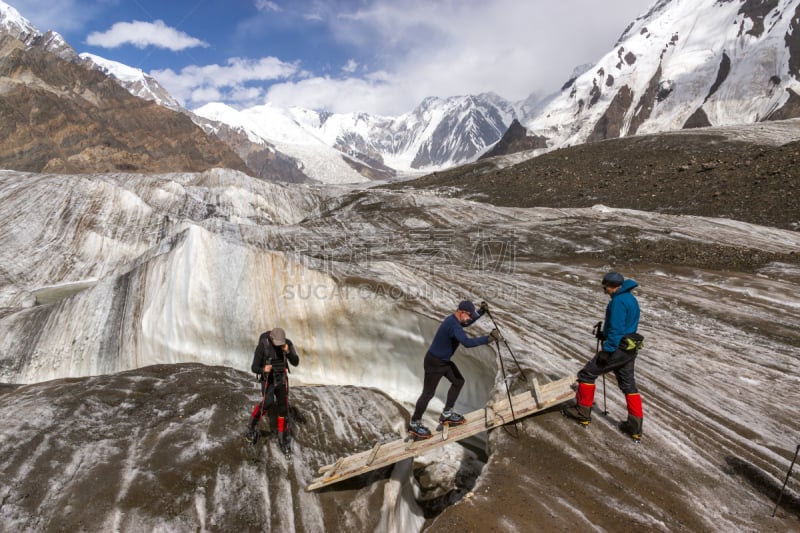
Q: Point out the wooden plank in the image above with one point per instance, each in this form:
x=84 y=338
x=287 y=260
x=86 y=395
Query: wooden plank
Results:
x=373 y=453
x=498 y=413
x=334 y=468
x=488 y=416
x=535 y=390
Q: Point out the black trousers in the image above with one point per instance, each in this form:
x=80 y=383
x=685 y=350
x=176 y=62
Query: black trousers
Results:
x=435 y=370
x=273 y=394
x=619 y=362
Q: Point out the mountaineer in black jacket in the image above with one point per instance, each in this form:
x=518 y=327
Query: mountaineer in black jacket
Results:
x=270 y=363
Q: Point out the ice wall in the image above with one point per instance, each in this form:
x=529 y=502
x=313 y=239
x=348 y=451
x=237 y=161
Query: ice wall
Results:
x=120 y=273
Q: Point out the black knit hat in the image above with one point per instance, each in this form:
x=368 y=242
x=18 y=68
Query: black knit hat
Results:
x=613 y=279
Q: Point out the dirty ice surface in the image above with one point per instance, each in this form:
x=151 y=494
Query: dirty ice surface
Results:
x=108 y=274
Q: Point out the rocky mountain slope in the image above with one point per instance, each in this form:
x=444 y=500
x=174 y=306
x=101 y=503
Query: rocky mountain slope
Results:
x=56 y=115
x=515 y=140
x=738 y=66
x=747 y=173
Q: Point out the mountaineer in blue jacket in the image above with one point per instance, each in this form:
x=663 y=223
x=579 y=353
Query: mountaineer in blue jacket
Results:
x=621 y=343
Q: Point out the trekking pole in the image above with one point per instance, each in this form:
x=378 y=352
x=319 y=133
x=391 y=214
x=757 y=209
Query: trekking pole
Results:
x=286 y=445
x=508 y=392
x=597 y=329
x=507 y=347
x=260 y=411
x=605 y=409
x=780 y=495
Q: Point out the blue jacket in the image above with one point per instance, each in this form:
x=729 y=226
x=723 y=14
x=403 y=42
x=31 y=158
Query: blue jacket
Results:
x=450 y=334
x=622 y=316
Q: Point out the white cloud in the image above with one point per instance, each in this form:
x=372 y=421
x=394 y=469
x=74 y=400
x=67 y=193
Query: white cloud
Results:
x=418 y=49
x=351 y=66
x=338 y=95
x=202 y=84
x=144 y=34
x=415 y=48
x=266 y=5
x=450 y=48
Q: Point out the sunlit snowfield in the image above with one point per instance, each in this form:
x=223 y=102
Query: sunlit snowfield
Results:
x=107 y=274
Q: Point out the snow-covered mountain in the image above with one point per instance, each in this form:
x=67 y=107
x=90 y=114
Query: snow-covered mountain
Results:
x=134 y=79
x=342 y=148
x=684 y=64
x=12 y=23
x=270 y=126
x=439 y=133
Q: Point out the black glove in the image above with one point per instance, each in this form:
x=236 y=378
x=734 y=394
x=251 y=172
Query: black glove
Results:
x=602 y=357
x=484 y=307
x=598 y=331
x=494 y=336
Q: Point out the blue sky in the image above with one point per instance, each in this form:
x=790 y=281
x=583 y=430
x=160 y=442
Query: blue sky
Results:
x=378 y=56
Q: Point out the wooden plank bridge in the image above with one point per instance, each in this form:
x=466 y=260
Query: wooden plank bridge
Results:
x=538 y=398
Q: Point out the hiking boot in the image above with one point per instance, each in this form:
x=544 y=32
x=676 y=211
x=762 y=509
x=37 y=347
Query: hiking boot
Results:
x=580 y=413
x=283 y=442
x=632 y=427
x=418 y=431
x=251 y=435
x=451 y=418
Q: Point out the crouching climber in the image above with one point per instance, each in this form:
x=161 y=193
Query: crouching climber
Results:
x=621 y=343
x=270 y=359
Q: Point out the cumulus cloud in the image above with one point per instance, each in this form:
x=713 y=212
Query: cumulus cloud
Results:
x=423 y=49
x=234 y=82
x=402 y=51
x=474 y=46
x=143 y=34
x=339 y=95
x=393 y=53
x=351 y=66
x=266 y=5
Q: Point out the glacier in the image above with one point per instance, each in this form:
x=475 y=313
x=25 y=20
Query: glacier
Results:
x=115 y=286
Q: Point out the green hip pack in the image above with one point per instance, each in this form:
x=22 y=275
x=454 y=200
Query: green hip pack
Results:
x=632 y=342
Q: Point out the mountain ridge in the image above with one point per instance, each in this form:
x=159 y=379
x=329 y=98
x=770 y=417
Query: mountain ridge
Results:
x=740 y=66
x=668 y=73
x=57 y=115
